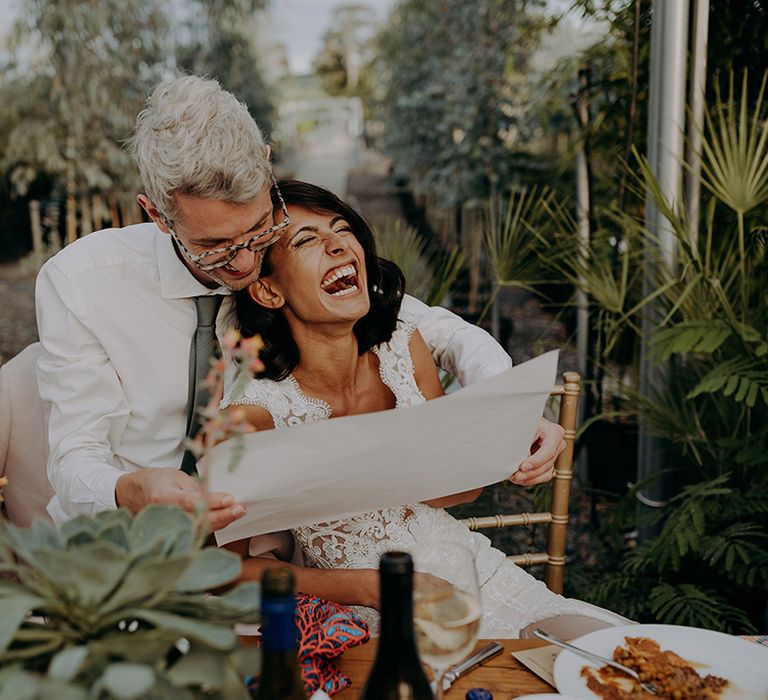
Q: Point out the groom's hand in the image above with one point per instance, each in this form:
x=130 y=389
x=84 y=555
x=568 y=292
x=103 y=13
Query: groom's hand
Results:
x=539 y=466
x=168 y=486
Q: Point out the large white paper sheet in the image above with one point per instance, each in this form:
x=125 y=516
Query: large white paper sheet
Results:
x=354 y=464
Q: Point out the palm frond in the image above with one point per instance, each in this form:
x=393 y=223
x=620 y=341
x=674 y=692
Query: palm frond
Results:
x=445 y=269
x=735 y=150
x=508 y=234
x=402 y=244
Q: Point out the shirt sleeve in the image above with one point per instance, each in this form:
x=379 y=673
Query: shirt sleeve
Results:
x=88 y=409
x=458 y=347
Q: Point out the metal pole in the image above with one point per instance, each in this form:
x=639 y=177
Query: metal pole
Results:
x=700 y=29
x=581 y=109
x=666 y=124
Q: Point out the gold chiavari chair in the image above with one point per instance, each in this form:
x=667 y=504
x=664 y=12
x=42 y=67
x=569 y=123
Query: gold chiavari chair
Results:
x=557 y=516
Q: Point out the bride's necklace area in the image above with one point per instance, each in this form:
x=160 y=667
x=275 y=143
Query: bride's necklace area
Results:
x=369 y=392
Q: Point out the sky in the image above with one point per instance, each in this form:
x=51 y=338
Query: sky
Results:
x=300 y=25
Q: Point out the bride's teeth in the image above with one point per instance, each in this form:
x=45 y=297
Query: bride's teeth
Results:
x=344 y=292
x=340 y=272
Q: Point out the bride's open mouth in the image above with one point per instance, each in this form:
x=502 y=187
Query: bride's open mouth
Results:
x=340 y=281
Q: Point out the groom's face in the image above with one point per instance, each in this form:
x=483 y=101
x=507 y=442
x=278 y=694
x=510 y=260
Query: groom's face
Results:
x=205 y=225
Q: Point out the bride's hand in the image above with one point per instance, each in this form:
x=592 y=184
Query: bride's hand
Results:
x=539 y=466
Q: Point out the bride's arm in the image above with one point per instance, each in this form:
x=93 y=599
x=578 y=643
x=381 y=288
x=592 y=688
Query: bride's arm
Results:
x=428 y=380
x=345 y=586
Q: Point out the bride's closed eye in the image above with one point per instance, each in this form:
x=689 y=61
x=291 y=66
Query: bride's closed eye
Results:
x=308 y=238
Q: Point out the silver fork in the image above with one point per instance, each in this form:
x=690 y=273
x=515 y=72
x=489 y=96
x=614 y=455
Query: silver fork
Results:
x=647 y=687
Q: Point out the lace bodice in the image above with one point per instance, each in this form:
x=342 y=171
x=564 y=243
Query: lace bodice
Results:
x=357 y=541
x=511 y=597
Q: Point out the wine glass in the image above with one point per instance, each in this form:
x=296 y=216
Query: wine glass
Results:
x=446 y=605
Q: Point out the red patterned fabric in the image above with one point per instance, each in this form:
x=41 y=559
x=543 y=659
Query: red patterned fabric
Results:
x=326 y=630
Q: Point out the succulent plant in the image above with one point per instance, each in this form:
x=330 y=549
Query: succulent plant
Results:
x=116 y=606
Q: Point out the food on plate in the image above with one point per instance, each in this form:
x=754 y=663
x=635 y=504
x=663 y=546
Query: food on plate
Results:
x=673 y=676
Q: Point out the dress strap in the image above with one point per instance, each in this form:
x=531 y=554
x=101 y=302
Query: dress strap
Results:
x=396 y=366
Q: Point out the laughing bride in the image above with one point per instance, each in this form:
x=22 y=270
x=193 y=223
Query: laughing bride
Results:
x=326 y=308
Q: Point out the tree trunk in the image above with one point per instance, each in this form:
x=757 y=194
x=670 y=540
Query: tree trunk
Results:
x=37 y=229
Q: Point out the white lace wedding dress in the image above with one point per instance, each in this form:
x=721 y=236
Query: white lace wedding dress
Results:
x=511 y=598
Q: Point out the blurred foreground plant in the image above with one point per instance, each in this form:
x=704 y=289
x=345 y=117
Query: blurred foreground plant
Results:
x=117 y=606
x=119 y=610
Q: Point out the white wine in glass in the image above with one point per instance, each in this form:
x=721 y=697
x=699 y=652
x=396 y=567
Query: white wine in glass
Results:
x=446 y=606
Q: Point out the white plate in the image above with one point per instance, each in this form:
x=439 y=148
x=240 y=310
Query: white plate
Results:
x=743 y=663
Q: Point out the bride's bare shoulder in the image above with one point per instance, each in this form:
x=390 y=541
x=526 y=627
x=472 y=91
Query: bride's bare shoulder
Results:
x=424 y=368
x=256 y=416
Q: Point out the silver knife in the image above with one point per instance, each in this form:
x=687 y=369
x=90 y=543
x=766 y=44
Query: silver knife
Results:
x=471 y=662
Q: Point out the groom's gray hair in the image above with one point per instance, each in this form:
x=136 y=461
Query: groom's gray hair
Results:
x=195 y=138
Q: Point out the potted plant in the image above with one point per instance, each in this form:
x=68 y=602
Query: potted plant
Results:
x=117 y=606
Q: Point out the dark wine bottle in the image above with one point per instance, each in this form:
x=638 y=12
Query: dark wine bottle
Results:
x=396 y=673
x=280 y=677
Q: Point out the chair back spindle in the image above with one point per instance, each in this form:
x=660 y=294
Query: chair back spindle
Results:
x=557 y=517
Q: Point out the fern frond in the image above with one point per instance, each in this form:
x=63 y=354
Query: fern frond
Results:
x=742 y=378
x=736 y=545
x=626 y=594
x=686 y=604
x=684 y=529
x=704 y=336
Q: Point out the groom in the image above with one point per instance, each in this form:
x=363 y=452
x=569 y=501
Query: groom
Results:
x=117 y=311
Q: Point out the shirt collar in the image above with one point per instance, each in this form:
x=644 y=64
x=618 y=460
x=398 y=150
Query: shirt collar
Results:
x=176 y=281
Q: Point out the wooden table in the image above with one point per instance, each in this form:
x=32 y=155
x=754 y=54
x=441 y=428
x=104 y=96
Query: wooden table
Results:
x=503 y=675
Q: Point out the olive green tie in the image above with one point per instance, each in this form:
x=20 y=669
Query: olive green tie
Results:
x=204 y=347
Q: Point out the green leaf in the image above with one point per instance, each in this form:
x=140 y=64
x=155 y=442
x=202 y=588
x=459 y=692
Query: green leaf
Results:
x=749 y=377
x=54 y=688
x=143 y=645
x=687 y=604
x=210 y=569
x=247 y=660
x=86 y=574
x=146 y=580
x=242 y=599
x=17 y=684
x=199 y=667
x=27 y=541
x=163 y=530
x=127 y=680
x=14 y=608
x=704 y=336
x=67 y=663
x=214 y=635
x=117 y=533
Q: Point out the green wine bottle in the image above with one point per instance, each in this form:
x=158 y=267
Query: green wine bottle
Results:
x=396 y=673
x=280 y=677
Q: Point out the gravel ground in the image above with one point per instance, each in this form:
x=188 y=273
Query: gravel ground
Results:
x=17 y=318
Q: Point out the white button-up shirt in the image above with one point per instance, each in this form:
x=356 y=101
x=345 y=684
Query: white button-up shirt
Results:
x=116 y=318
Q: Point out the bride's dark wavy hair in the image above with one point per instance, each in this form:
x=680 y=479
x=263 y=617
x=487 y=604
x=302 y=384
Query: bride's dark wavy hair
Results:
x=386 y=286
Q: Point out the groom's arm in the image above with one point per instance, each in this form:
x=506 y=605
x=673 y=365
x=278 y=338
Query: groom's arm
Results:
x=458 y=347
